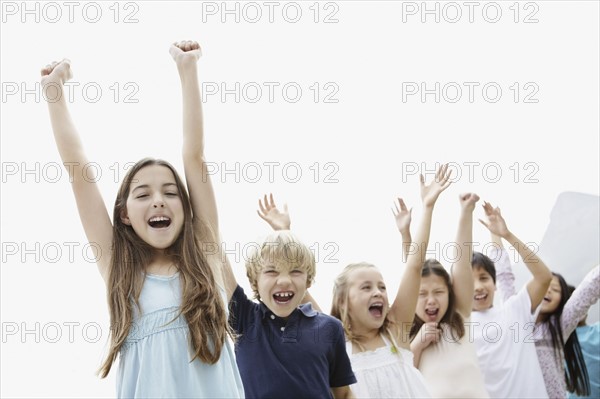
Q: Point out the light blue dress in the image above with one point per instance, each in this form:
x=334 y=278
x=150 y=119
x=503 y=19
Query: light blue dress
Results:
x=155 y=359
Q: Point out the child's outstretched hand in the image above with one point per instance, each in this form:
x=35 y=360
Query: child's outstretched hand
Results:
x=495 y=222
x=402 y=215
x=57 y=71
x=185 y=52
x=431 y=192
x=468 y=201
x=277 y=220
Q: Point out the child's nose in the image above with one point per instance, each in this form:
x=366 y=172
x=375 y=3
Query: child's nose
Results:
x=159 y=201
x=283 y=279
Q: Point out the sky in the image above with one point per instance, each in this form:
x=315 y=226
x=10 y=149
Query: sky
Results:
x=334 y=107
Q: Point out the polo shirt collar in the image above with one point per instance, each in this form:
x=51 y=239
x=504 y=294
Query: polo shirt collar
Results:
x=306 y=309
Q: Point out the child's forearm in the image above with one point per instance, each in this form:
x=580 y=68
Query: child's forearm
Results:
x=406 y=244
x=416 y=349
x=542 y=276
x=536 y=266
x=585 y=295
x=193 y=130
x=66 y=136
x=462 y=275
x=505 y=278
x=405 y=303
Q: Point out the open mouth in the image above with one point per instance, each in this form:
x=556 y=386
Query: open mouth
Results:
x=376 y=309
x=283 y=297
x=546 y=299
x=480 y=297
x=432 y=313
x=159 y=222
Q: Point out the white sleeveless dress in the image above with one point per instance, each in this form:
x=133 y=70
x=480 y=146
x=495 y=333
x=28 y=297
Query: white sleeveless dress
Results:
x=386 y=372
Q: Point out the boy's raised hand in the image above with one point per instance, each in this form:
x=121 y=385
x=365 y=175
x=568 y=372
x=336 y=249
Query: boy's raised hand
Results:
x=431 y=192
x=495 y=222
x=185 y=51
x=57 y=71
x=402 y=216
x=268 y=212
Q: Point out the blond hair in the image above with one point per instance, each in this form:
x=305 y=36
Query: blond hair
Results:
x=281 y=249
x=339 y=306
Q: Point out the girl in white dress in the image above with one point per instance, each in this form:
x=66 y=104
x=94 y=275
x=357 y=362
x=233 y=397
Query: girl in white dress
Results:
x=377 y=335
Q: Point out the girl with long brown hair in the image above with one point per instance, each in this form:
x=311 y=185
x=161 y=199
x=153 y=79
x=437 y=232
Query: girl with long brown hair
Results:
x=168 y=313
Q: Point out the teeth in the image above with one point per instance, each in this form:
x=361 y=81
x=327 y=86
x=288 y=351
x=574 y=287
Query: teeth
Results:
x=284 y=294
x=377 y=305
x=159 y=219
x=479 y=297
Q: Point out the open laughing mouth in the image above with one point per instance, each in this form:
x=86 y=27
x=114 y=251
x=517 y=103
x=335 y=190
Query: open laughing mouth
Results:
x=376 y=309
x=432 y=313
x=159 y=222
x=283 y=297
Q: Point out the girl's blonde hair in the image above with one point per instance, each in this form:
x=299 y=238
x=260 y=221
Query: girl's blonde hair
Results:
x=201 y=304
x=339 y=306
x=280 y=248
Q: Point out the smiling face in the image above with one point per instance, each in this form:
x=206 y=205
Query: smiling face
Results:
x=154 y=209
x=368 y=303
x=552 y=297
x=281 y=288
x=484 y=289
x=433 y=299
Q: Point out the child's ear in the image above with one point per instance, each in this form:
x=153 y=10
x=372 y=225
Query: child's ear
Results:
x=124 y=217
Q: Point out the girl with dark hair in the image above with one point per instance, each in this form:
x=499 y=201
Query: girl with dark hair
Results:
x=442 y=346
x=557 y=318
x=168 y=313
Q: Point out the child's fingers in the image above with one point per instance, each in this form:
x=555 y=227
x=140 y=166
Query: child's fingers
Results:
x=272 y=200
x=261 y=216
x=402 y=204
x=174 y=50
x=260 y=205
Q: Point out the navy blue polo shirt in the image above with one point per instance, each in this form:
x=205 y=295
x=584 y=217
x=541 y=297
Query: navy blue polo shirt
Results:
x=302 y=356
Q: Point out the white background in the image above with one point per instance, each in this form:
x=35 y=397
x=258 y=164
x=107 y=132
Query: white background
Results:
x=368 y=138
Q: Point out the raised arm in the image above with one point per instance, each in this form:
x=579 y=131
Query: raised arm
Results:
x=402 y=310
x=403 y=217
x=462 y=274
x=92 y=210
x=505 y=278
x=542 y=276
x=585 y=295
x=202 y=196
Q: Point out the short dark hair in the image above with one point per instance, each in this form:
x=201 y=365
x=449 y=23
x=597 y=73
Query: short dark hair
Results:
x=481 y=261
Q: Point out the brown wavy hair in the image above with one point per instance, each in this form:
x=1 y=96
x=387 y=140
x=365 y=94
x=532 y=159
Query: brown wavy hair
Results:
x=452 y=318
x=201 y=303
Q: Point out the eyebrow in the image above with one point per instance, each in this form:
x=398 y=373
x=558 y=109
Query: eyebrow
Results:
x=148 y=186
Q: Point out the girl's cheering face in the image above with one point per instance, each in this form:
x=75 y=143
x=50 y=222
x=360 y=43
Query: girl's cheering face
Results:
x=154 y=207
x=552 y=297
x=367 y=299
x=433 y=299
